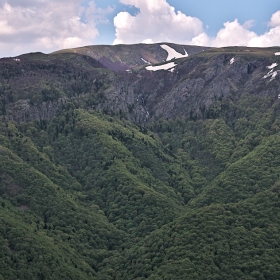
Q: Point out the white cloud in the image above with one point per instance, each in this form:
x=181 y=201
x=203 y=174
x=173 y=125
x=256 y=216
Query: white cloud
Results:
x=248 y=24
x=201 y=40
x=46 y=25
x=235 y=34
x=156 y=21
x=270 y=38
x=148 y=41
x=275 y=19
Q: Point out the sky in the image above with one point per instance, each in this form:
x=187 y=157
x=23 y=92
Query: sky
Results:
x=50 y=25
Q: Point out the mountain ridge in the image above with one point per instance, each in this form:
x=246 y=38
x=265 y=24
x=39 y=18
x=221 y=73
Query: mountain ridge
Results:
x=192 y=89
x=126 y=57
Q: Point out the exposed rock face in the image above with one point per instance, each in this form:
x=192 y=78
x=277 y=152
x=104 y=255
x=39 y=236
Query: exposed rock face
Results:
x=196 y=85
x=22 y=111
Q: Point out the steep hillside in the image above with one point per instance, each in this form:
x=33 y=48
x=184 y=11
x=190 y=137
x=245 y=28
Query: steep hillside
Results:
x=143 y=174
x=232 y=241
x=200 y=86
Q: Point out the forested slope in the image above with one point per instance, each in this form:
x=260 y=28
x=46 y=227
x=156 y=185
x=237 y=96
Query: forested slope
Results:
x=87 y=194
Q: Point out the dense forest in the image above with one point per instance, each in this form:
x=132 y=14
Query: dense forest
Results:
x=88 y=194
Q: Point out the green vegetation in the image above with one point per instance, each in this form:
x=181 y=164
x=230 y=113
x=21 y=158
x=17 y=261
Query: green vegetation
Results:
x=88 y=195
x=241 y=51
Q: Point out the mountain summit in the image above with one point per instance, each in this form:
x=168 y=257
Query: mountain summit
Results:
x=125 y=57
x=141 y=82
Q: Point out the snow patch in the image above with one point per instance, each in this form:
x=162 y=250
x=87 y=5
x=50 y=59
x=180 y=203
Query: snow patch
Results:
x=271 y=74
x=277 y=53
x=272 y=66
x=161 y=67
x=145 y=60
x=274 y=74
x=232 y=61
x=16 y=59
x=172 y=53
x=171 y=70
x=268 y=74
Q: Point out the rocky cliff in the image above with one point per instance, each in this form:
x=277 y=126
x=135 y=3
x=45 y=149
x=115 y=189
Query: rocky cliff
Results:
x=204 y=84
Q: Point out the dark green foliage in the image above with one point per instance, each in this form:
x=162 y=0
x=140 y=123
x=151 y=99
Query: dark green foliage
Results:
x=216 y=242
x=84 y=195
x=125 y=172
x=51 y=78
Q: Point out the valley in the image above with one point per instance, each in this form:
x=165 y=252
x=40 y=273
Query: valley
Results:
x=111 y=171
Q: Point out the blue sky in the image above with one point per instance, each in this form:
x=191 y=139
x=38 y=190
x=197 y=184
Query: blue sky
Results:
x=107 y=30
x=49 y=25
x=215 y=12
x=212 y=13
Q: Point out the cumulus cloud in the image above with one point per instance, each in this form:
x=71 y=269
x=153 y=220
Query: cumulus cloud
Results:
x=46 y=25
x=236 y=34
x=201 y=40
x=156 y=21
x=233 y=34
x=275 y=19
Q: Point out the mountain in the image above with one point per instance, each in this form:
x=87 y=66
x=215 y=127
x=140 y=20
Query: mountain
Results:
x=196 y=86
x=169 y=170
x=125 y=57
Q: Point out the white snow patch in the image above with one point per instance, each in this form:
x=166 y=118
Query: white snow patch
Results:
x=171 y=70
x=272 y=66
x=16 y=59
x=277 y=53
x=185 y=51
x=268 y=74
x=232 y=61
x=172 y=53
x=145 y=60
x=128 y=70
x=274 y=74
x=161 y=67
x=271 y=74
